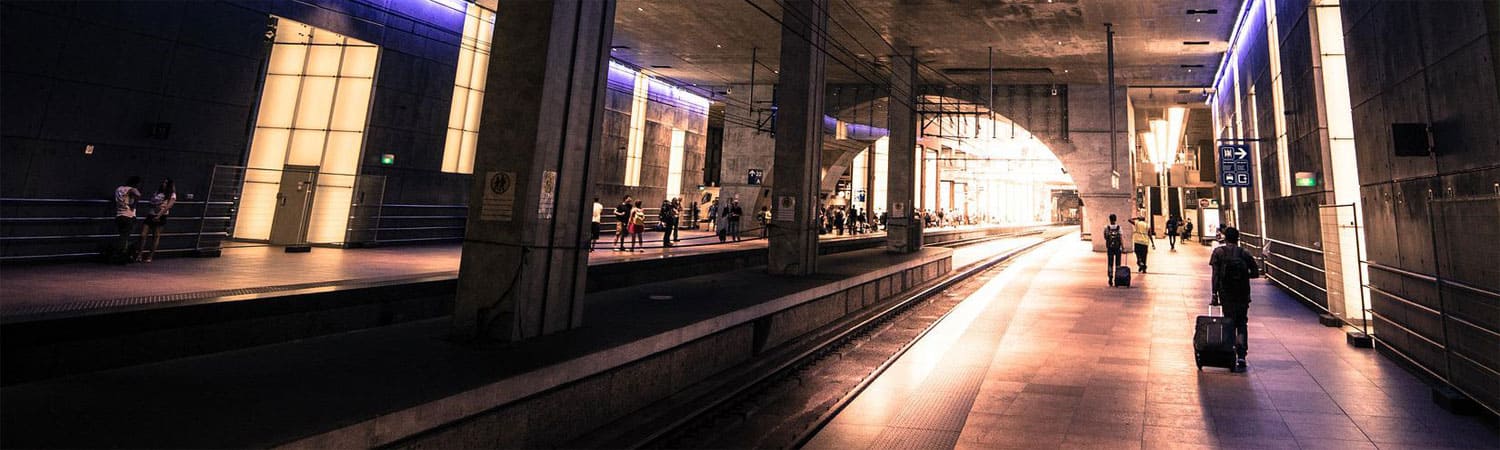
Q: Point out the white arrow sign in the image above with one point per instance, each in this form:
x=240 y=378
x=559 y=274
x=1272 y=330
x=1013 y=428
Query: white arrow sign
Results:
x=1239 y=153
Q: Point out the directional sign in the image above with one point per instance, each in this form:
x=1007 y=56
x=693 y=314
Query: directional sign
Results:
x=1234 y=165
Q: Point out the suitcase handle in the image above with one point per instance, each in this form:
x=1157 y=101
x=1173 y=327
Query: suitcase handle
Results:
x=1211 y=308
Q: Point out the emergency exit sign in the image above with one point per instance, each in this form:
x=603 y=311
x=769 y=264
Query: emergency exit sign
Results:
x=1234 y=165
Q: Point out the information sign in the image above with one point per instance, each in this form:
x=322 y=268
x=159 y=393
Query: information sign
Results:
x=1234 y=165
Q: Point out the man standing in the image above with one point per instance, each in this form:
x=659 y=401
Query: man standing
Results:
x=1114 y=246
x=735 y=213
x=594 y=231
x=622 y=223
x=1143 y=240
x=667 y=215
x=1172 y=225
x=125 y=197
x=1233 y=267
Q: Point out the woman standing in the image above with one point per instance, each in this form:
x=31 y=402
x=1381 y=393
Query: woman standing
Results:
x=161 y=207
x=637 y=226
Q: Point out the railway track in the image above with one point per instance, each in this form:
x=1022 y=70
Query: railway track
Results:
x=784 y=398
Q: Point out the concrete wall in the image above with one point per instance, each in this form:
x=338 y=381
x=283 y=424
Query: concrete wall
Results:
x=661 y=119
x=1434 y=63
x=1428 y=220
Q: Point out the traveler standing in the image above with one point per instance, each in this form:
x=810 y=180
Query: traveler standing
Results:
x=677 y=213
x=637 y=226
x=594 y=230
x=721 y=223
x=713 y=216
x=1141 y=236
x=735 y=213
x=1172 y=225
x=125 y=197
x=1233 y=267
x=1187 y=231
x=667 y=215
x=765 y=220
x=161 y=206
x=838 y=222
x=622 y=223
x=1114 y=246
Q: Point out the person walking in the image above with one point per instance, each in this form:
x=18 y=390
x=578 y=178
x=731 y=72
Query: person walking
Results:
x=161 y=206
x=735 y=213
x=713 y=216
x=1114 y=246
x=1141 y=236
x=594 y=230
x=622 y=223
x=1233 y=267
x=1172 y=225
x=637 y=226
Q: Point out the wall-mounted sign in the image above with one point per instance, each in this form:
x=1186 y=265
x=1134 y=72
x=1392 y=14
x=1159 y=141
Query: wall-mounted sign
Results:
x=754 y=177
x=786 y=208
x=1306 y=179
x=387 y=159
x=499 y=196
x=1234 y=165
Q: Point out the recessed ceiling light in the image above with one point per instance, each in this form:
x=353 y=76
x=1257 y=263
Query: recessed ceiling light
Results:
x=1197 y=20
x=1194 y=42
x=718 y=45
x=1202 y=11
x=641 y=9
x=1065 y=70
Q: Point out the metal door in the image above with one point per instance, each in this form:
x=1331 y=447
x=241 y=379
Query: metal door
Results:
x=293 y=202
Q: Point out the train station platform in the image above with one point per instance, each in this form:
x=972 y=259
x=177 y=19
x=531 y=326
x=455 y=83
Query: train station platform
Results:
x=401 y=385
x=52 y=290
x=1046 y=355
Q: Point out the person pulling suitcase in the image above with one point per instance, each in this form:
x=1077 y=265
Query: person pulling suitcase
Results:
x=1233 y=267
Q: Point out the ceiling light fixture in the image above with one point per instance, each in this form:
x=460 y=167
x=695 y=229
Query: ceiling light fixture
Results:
x=641 y=9
x=1202 y=11
x=1195 y=42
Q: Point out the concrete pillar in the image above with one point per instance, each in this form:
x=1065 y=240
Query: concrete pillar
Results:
x=522 y=270
x=903 y=234
x=799 y=139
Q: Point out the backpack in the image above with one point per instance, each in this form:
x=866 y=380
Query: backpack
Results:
x=1236 y=270
x=1112 y=238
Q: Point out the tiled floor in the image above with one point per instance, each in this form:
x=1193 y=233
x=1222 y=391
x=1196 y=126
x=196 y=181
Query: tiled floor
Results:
x=76 y=286
x=1048 y=356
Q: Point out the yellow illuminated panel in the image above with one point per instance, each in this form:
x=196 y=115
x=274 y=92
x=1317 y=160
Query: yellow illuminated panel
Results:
x=674 y=165
x=312 y=112
x=636 y=141
x=468 y=90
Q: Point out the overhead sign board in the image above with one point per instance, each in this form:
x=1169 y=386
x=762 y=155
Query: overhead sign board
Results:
x=1234 y=165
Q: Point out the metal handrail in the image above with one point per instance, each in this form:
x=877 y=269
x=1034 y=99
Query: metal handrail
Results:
x=1299 y=247
x=1288 y=258
x=1304 y=280
x=1399 y=271
x=1470 y=288
x=1404 y=300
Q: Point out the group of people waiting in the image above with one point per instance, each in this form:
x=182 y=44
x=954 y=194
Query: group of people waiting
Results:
x=836 y=220
x=126 y=197
x=631 y=226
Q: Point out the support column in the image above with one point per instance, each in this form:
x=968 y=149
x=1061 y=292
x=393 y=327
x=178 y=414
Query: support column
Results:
x=903 y=235
x=799 y=139
x=524 y=254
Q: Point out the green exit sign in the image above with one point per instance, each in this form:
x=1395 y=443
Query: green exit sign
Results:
x=387 y=159
x=1307 y=179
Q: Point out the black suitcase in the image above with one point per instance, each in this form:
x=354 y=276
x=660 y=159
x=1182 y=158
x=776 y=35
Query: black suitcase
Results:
x=1213 y=341
x=1122 y=276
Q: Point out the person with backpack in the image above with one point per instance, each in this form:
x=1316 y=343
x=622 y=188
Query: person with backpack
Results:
x=622 y=223
x=1187 y=231
x=1114 y=246
x=667 y=216
x=1233 y=267
x=637 y=227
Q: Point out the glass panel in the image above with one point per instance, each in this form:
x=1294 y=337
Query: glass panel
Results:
x=330 y=209
x=292 y=32
x=359 y=61
x=465 y=67
x=674 y=165
x=353 y=104
x=327 y=37
x=341 y=154
x=457 y=108
x=256 y=209
x=466 y=158
x=323 y=60
x=287 y=59
x=268 y=148
x=277 y=101
x=451 y=150
x=471 y=117
x=315 y=104
x=479 y=75
x=486 y=30
x=307 y=148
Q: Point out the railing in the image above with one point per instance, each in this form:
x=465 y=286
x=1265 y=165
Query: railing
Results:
x=39 y=229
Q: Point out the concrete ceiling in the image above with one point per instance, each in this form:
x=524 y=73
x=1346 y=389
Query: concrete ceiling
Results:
x=709 y=42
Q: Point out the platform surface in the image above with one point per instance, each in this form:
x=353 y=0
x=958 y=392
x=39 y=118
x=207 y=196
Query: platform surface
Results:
x=257 y=269
x=1046 y=355
x=276 y=394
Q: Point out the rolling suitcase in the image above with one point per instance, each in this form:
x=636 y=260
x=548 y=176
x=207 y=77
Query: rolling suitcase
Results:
x=1122 y=276
x=1213 y=341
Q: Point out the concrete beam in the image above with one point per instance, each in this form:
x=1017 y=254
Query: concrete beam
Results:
x=522 y=270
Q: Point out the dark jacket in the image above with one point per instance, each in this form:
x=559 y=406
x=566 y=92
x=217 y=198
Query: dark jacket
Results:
x=1231 y=292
